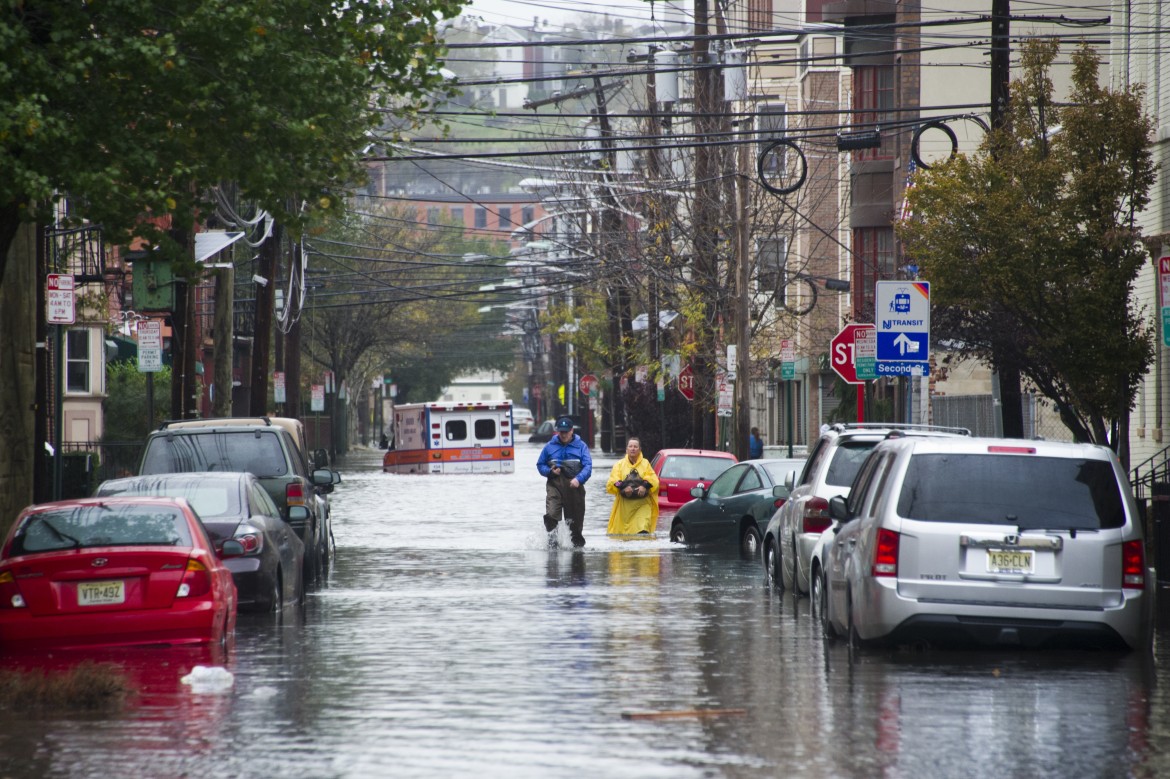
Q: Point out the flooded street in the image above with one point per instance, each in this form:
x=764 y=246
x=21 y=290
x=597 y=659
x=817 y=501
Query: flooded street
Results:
x=450 y=641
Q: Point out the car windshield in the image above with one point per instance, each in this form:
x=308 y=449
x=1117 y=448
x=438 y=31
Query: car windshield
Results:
x=256 y=452
x=695 y=468
x=77 y=527
x=846 y=462
x=1027 y=492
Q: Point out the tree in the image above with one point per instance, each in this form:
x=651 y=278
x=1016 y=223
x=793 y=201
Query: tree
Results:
x=134 y=108
x=1032 y=244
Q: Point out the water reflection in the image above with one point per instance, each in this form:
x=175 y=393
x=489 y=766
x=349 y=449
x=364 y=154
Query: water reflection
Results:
x=449 y=640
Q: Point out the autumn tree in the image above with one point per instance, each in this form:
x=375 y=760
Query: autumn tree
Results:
x=1032 y=244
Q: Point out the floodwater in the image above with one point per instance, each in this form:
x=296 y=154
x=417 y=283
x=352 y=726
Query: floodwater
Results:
x=450 y=641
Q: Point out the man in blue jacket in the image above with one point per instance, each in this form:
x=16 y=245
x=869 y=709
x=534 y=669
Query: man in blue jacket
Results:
x=566 y=463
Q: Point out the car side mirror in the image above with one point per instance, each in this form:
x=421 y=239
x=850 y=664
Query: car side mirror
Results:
x=790 y=480
x=323 y=477
x=781 y=491
x=231 y=548
x=838 y=509
x=298 y=514
x=698 y=491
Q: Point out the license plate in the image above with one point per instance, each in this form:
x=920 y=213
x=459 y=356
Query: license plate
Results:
x=1011 y=560
x=101 y=593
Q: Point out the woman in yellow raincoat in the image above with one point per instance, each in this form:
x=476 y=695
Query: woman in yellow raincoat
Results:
x=635 y=508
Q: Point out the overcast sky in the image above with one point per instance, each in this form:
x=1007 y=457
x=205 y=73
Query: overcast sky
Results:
x=521 y=12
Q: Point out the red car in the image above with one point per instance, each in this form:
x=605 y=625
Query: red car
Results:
x=102 y=572
x=681 y=469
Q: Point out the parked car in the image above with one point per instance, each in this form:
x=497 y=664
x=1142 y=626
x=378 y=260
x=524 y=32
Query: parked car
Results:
x=115 y=571
x=523 y=420
x=735 y=506
x=269 y=572
x=267 y=447
x=791 y=533
x=681 y=470
x=986 y=540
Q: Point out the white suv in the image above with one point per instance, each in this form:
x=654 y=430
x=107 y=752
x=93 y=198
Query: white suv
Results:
x=984 y=540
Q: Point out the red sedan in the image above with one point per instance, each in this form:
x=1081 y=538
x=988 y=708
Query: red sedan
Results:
x=102 y=572
x=681 y=469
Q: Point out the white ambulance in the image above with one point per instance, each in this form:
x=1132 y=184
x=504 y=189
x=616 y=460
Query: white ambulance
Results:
x=452 y=438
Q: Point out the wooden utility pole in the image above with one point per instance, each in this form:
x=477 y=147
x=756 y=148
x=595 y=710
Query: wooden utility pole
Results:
x=292 y=347
x=223 y=336
x=1007 y=368
x=262 y=337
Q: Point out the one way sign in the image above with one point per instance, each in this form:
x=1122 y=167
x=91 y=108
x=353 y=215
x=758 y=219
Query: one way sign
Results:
x=902 y=316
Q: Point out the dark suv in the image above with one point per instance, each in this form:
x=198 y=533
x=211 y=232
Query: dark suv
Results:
x=269 y=451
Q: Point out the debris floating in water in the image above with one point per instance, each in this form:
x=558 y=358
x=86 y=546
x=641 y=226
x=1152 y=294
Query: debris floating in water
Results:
x=209 y=679
x=684 y=714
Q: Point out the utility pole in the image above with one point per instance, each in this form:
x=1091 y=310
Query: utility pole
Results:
x=224 y=337
x=1007 y=369
x=262 y=335
x=704 y=224
x=292 y=347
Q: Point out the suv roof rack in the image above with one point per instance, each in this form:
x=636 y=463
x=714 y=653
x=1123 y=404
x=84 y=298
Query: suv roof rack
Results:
x=209 y=421
x=907 y=427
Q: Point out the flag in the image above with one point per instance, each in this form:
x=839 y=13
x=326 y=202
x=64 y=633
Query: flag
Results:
x=904 y=213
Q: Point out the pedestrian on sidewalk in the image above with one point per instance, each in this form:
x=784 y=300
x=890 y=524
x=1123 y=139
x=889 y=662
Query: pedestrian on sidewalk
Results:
x=755 y=445
x=566 y=463
x=634 y=485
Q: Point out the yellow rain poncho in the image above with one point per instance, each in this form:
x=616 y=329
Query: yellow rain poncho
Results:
x=630 y=516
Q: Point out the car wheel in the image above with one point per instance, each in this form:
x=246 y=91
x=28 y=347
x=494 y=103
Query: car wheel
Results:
x=772 y=573
x=678 y=533
x=749 y=542
x=819 y=595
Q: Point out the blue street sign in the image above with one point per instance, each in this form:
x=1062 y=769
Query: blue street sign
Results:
x=902 y=318
x=902 y=369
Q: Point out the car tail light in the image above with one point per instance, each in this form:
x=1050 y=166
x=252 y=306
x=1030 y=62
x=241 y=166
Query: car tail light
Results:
x=816 y=516
x=10 y=596
x=779 y=502
x=251 y=538
x=196 y=580
x=1133 y=566
x=885 y=555
x=294 y=494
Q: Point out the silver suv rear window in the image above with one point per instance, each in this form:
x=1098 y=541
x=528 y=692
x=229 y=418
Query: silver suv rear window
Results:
x=1028 y=492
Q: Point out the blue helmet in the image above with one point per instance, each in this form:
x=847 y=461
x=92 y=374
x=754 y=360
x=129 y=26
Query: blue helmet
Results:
x=563 y=424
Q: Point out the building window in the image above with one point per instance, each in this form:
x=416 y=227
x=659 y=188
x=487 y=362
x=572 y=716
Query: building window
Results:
x=77 y=361
x=771 y=256
x=433 y=216
x=457 y=215
x=873 y=261
x=505 y=217
x=873 y=101
x=481 y=217
x=771 y=122
x=527 y=214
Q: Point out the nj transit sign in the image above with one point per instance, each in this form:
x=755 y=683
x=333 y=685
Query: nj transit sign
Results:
x=902 y=316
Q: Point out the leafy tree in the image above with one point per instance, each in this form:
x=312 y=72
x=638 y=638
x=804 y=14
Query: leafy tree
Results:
x=133 y=108
x=1032 y=244
x=124 y=408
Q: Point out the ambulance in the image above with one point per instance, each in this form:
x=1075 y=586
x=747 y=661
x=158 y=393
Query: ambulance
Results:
x=452 y=438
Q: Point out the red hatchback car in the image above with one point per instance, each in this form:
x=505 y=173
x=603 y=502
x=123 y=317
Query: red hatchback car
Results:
x=102 y=572
x=681 y=469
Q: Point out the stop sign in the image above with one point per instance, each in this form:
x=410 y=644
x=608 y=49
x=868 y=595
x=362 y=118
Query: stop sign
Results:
x=686 y=383
x=588 y=384
x=841 y=354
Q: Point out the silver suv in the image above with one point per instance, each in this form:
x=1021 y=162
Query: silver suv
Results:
x=985 y=540
x=793 y=530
